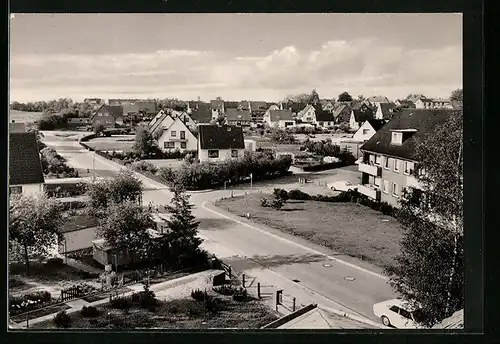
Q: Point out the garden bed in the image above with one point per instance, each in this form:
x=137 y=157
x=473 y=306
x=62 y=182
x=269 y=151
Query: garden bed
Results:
x=39 y=313
x=348 y=228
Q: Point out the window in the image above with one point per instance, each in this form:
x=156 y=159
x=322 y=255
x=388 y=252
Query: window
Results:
x=395 y=189
x=183 y=135
x=377 y=159
x=386 y=187
x=183 y=145
x=16 y=189
x=366 y=131
x=408 y=167
x=386 y=162
x=396 y=165
x=397 y=138
x=169 y=145
x=377 y=181
x=395 y=309
x=234 y=153
x=404 y=313
x=213 y=153
x=173 y=133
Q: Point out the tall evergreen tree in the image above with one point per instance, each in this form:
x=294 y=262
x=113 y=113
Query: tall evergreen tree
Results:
x=429 y=270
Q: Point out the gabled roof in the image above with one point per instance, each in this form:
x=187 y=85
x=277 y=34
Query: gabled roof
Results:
x=220 y=137
x=387 y=110
x=15 y=127
x=378 y=99
x=201 y=115
x=25 y=166
x=362 y=116
x=324 y=116
x=258 y=105
x=280 y=115
x=157 y=123
x=307 y=108
x=217 y=104
x=424 y=121
x=179 y=120
x=340 y=109
x=231 y=105
x=115 y=110
x=237 y=115
x=406 y=102
x=376 y=124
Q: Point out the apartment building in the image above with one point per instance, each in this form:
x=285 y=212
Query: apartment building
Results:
x=389 y=156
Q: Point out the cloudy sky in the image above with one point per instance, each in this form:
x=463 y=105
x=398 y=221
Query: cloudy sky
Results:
x=234 y=56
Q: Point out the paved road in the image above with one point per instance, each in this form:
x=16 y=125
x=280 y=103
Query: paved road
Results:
x=277 y=262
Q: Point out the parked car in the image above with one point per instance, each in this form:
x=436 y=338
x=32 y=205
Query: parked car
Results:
x=398 y=314
x=340 y=186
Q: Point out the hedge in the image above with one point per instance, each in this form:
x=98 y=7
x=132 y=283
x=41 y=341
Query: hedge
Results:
x=322 y=167
x=65 y=189
x=346 y=196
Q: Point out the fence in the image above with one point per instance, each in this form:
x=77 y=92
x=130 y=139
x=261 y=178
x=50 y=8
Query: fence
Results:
x=70 y=293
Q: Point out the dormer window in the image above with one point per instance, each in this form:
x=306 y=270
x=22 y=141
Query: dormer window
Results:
x=397 y=138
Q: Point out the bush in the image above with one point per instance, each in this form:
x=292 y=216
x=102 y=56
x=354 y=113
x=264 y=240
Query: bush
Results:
x=212 y=304
x=277 y=204
x=62 y=319
x=198 y=295
x=299 y=195
x=225 y=289
x=55 y=261
x=144 y=166
x=240 y=295
x=89 y=312
x=146 y=299
x=280 y=194
x=121 y=303
x=264 y=203
x=15 y=282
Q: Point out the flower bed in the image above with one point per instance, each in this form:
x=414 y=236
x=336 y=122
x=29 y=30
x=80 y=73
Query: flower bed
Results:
x=29 y=302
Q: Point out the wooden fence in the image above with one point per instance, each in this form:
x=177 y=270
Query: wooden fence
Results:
x=70 y=293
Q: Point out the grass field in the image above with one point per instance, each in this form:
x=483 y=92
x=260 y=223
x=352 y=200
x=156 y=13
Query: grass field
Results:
x=173 y=163
x=23 y=116
x=346 y=228
x=108 y=145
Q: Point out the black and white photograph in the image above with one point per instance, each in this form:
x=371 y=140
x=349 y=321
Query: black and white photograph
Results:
x=197 y=171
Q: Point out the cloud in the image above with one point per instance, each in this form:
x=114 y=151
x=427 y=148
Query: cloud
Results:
x=364 y=66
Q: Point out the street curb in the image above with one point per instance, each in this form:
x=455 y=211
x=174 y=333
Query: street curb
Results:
x=237 y=218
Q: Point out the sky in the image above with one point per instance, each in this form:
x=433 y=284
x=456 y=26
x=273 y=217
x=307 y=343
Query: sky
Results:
x=233 y=56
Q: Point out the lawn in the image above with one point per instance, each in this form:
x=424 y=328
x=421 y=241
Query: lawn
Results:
x=347 y=228
x=175 y=314
x=24 y=116
x=110 y=144
x=173 y=163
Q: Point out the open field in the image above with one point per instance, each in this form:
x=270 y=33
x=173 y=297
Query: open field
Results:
x=346 y=228
x=24 y=116
x=173 y=163
x=117 y=143
x=176 y=314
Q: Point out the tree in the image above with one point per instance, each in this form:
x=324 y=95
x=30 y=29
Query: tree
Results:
x=457 y=95
x=34 y=223
x=314 y=97
x=345 y=97
x=180 y=245
x=121 y=188
x=429 y=269
x=99 y=129
x=361 y=97
x=144 y=143
x=125 y=227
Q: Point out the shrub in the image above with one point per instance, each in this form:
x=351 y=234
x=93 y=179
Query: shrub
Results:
x=263 y=202
x=277 y=204
x=15 y=282
x=198 y=295
x=120 y=303
x=225 y=289
x=298 y=195
x=240 y=295
x=55 y=261
x=62 y=319
x=146 y=299
x=280 y=194
x=144 y=166
x=212 y=304
x=89 y=312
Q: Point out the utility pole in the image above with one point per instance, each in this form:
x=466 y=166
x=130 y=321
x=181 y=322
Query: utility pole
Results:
x=251 y=180
x=93 y=165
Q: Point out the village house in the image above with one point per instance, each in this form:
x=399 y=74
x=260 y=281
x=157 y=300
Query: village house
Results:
x=376 y=100
x=323 y=119
x=108 y=116
x=326 y=105
x=238 y=117
x=156 y=126
x=201 y=115
x=80 y=122
x=308 y=114
x=358 y=117
x=342 y=113
x=388 y=156
x=178 y=136
x=219 y=143
x=405 y=103
x=139 y=109
x=25 y=166
x=279 y=118
x=217 y=107
x=437 y=104
x=368 y=129
x=94 y=103
x=385 y=111
x=78 y=233
x=187 y=119
x=274 y=107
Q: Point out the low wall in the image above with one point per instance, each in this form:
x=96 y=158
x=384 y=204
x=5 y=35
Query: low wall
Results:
x=291 y=316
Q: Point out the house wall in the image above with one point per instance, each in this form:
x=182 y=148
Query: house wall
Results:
x=78 y=240
x=419 y=104
x=191 y=141
x=224 y=154
x=283 y=123
x=309 y=116
x=103 y=117
x=360 y=136
x=352 y=122
x=30 y=189
x=165 y=124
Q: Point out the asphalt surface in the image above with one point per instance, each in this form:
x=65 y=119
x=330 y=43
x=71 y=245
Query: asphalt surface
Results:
x=275 y=261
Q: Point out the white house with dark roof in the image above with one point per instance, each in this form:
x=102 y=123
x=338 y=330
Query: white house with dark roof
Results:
x=368 y=129
x=25 y=166
x=385 y=111
x=161 y=123
x=178 y=136
x=238 y=117
x=279 y=118
x=219 y=143
x=308 y=114
x=187 y=119
x=358 y=117
x=217 y=107
x=108 y=116
x=389 y=155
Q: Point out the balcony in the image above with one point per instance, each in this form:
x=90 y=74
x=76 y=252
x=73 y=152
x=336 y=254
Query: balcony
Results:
x=370 y=191
x=372 y=170
x=411 y=181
